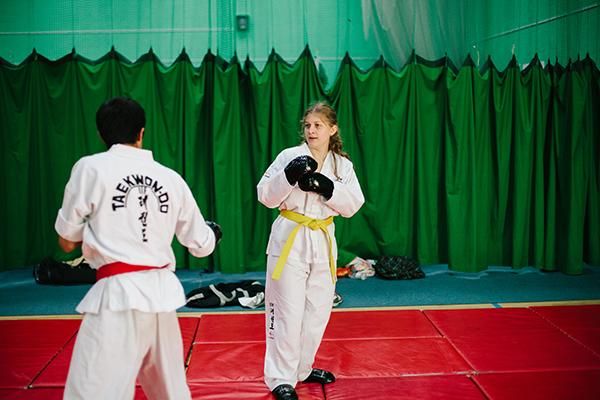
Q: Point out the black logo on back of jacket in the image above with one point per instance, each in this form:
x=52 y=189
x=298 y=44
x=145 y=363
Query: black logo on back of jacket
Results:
x=141 y=187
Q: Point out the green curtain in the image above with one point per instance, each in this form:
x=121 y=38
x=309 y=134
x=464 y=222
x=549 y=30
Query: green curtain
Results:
x=459 y=166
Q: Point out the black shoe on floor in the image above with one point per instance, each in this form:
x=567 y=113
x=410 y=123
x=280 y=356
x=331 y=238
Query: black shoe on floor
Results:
x=285 y=392
x=320 y=376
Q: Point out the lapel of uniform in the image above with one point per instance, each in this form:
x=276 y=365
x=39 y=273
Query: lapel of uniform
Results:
x=328 y=165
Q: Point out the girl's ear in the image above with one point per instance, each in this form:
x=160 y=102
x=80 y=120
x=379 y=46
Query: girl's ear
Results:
x=334 y=130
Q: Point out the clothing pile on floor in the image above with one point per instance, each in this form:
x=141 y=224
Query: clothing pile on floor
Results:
x=358 y=268
x=248 y=294
x=398 y=267
x=386 y=267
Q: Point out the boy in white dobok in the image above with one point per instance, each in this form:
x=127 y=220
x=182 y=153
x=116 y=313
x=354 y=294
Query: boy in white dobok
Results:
x=310 y=184
x=124 y=208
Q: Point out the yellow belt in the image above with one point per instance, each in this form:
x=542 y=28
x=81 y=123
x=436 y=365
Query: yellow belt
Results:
x=314 y=224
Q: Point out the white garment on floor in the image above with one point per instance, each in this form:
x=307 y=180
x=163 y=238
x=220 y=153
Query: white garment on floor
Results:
x=297 y=309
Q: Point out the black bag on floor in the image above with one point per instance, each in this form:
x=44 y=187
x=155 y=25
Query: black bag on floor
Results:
x=52 y=272
x=398 y=267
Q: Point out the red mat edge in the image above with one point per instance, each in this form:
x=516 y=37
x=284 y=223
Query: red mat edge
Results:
x=188 y=356
x=443 y=335
x=542 y=316
x=489 y=396
x=60 y=350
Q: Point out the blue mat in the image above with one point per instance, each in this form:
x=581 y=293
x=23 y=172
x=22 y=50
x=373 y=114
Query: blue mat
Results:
x=20 y=295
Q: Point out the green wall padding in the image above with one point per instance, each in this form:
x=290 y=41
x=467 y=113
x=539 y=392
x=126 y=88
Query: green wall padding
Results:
x=458 y=166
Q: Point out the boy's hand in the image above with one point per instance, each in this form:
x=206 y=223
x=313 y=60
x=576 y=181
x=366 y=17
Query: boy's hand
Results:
x=66 y=245
x=216 y=228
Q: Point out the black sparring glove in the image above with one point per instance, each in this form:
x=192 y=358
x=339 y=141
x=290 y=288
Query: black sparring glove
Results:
x=318 y=183
x=298 y=167
x=216 y=228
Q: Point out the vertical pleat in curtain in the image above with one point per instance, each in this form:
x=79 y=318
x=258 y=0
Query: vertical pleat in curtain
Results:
x=459 y=166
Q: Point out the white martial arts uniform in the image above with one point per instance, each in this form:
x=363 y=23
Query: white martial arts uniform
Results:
x=298 y=305
x=126 y=207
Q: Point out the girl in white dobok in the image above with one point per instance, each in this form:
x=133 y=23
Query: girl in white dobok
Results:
x=310 y=184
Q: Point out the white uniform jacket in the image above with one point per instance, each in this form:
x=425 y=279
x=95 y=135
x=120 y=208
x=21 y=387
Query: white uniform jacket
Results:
x=126 y=207
x=275 y=191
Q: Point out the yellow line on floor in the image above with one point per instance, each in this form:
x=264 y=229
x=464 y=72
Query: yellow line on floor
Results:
x=551 y=303
x=17 y=317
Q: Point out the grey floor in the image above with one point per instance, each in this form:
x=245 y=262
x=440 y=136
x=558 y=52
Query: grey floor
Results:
x=20 y=295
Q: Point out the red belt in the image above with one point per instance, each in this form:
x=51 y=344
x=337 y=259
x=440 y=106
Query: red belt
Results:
x=117 y=268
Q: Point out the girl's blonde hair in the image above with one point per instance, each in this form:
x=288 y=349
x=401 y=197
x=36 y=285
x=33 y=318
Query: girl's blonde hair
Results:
x=330 y=117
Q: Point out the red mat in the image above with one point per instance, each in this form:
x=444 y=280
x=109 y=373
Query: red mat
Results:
x=249 y=391
x=525 y=352
x=580 y=322
x=242 y=391
x=448 y=387
x=379 y=325
x=555 y=385
x=511 y=340
x=31 y=394
x=231 y=328
x=55 y=374
x=390 y=357
x=46 y=394
x=546 y=352
x=487 y=321
x=226 y=362
x=571 y=316
x=348 y=358
x=189 y=327
x=343 y=325
x=26 y=333
x=27 y=346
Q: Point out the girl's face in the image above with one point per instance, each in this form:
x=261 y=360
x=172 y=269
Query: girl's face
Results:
x=317 y=132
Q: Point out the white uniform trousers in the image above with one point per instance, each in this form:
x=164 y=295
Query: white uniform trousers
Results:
x=113 y=348
x=297 y=309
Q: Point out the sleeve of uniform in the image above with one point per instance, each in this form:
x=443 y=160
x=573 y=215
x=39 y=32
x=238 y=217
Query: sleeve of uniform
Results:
x=76 y=207
x=191 y=229
x=274 y=187
x=347 y=196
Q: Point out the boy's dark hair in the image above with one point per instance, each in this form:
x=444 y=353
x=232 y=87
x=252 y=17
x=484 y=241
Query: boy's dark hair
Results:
x=119 y=120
